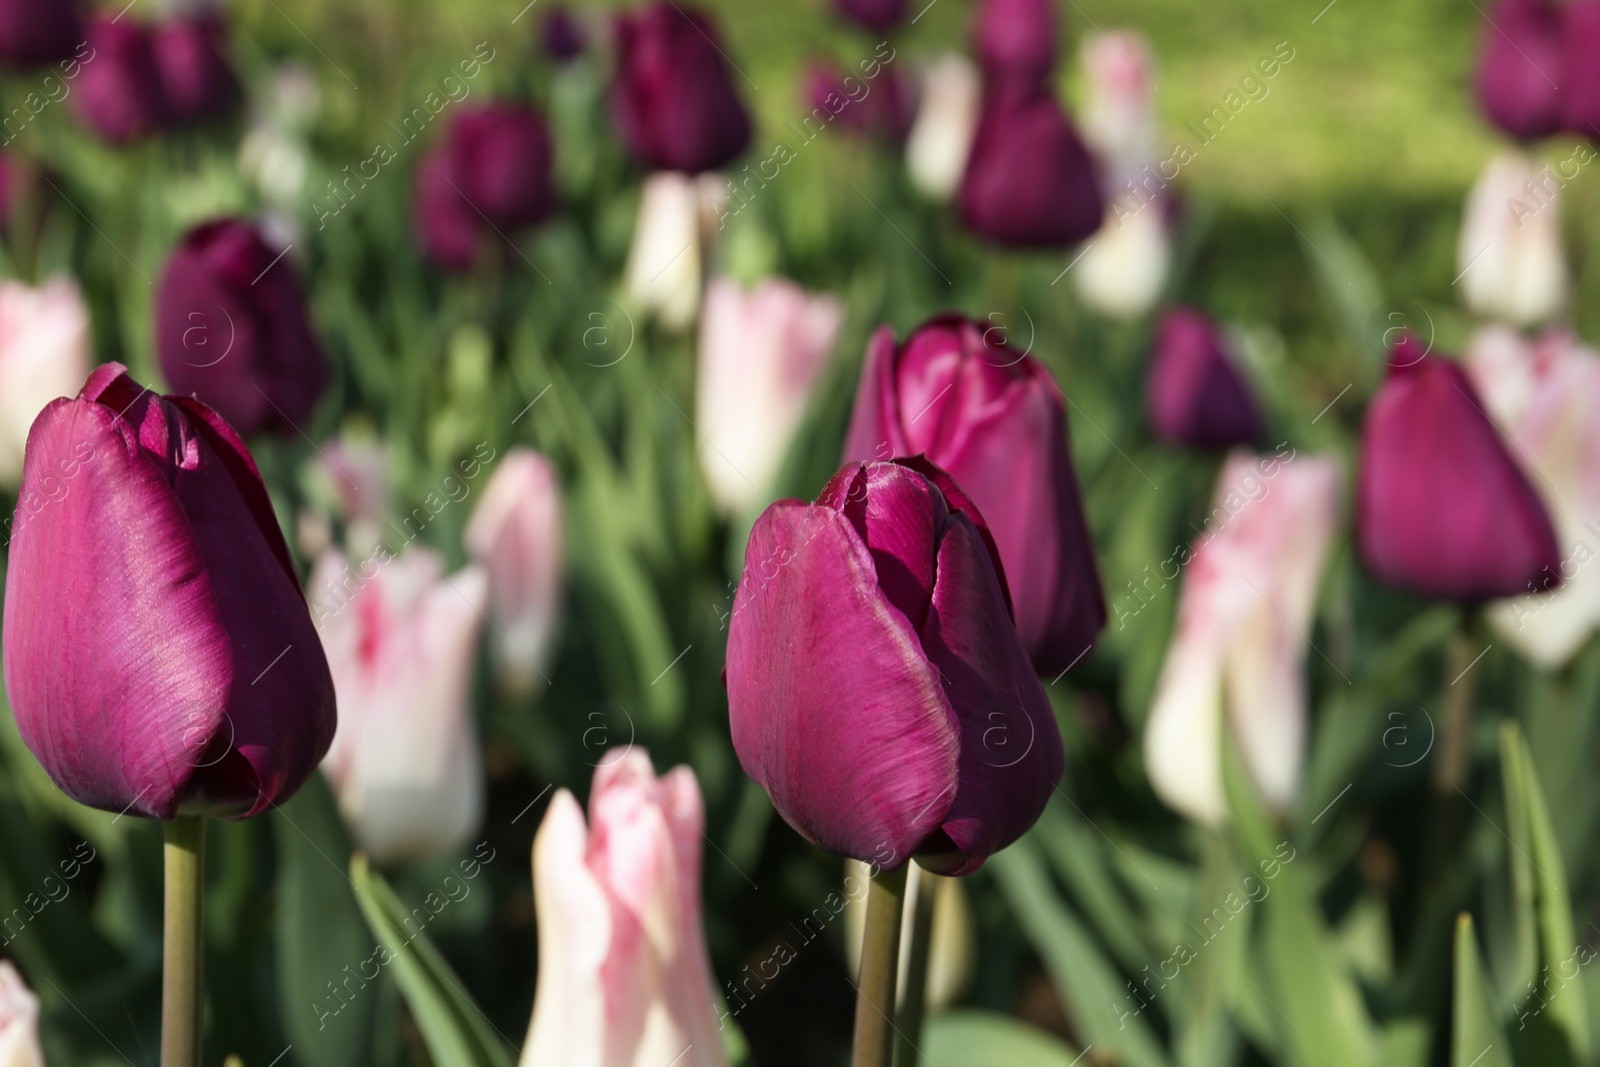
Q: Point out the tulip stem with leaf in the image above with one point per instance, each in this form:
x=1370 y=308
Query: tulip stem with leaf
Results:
x=880 y=963
x=914 y=998
x=183 y=949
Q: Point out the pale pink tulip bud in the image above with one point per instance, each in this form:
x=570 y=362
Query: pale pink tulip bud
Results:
x=1123 y=269
x=44 y=354
x=19 y=1021
x=624 y=975
x=676 y=214
x=947 y=120
x=515 y=533
x=1509 y=254
x=1119 y=116
x=1244 y=616
x=401 y=640
x=762 y=355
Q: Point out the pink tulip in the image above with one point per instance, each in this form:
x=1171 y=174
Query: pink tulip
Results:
x=19 y=1021
x=401 y=639
x=1240 y=648
x=1509 y=253
x=624 y=975
x=1119 y=116
x=44 y=354
x=762 y=356
x=515 y=533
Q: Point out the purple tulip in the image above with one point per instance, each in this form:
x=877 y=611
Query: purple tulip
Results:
x=119 y=88
x=159 y=656
x=1580 y=81
x=1441 y=506
x=1029 y=181
x=197 y=83
x=447 y=227
x=877 y=689
x=1520 y=69
x=875 y=15
x=34 y=32
x=1016 y=39
x=883 y=107
x=564 y=38
x=231 y=328
x=1194 y=394
x=991 y=416
x=499 y=158
x=672 y=96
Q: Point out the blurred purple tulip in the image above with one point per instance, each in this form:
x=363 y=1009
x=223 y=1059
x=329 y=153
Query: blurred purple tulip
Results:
x=119 y=89
x=563 y=36
x=883 y=107
x=1029 y=182
x=875 y=15
x=672 y=94
x=877 y=689
x=1520 y=70
x=159 y=656
x=993 y=417
x=1580 y=81
x=1194 y=394
x=447 y=227
x=1016 y=39
x=231 y=328
x=197 y=82
x=1441 y=506
x=33 y=32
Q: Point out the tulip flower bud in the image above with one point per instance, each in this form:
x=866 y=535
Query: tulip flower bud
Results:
x=1194 y=393
x=1580 y=85
x=44 y=354
x=762 y=356
x=1543 y=397
x=1119 y=117
x=401 y=640
x=1016 y=39
x=449 y=231
x=880 y=107
x=231 y=328
x=940 y=141
x=35 y=32
x=875 y=15
x=624 y=973
x=993 y=417
x=19 y=1021
x=119 y=90
x=1509 y=254
x=564 y=37
x=515 y=533
x=1441 y=506
x=197 y=82
x=877 y=688
x=663 y=273
x=1520 y=68
x=1240 y=647
x=158 y=652
x=672 y=96
x=1123 y=269
x=1029 y=182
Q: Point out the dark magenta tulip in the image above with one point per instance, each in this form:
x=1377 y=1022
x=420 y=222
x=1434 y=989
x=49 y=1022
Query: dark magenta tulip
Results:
x=882 y=107
x=875 y=15
x=499 y=157
x=1580 y=84
x=33 y=32
x=447 y=227
x=563 y=37
x=1520 y=69
x=159 y=655
x=197 y=82
x=1194 y=394
x=877 y=689
x=231 y=328
x=1016 y=39
x=1030 y=181
x=673 y=95
x=119 y=89
x=993 y=417
x=1441 y=506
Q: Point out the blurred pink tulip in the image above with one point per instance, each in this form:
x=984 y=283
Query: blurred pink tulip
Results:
x=515 y=533
x=44 y=354
x=1509 y=253
x=1119 y=116
x=624 y=975
x=401 y=640
x=1240 y=646
x=947 y=119
x=19 y=1021
x=762 y=356
x=662 y=276
x=1543 y=396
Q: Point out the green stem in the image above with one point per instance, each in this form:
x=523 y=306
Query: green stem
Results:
x=1460 y=689
x=183 y=962
x=914 y=999
x=880 y=959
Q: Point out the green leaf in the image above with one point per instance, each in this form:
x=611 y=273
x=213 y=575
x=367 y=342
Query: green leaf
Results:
x=985 y=1039
x=1476 y=1039
x=454 y=1028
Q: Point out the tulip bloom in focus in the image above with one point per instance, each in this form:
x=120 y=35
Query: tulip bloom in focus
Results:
x=44 y=354
x=515 y=533
x=877 y=689
x=1543 y=396
x=624 y=974
x=993 y=418
x=401 y=639
x=1194 y=394
x=762 y=356
x=159 y=656
x=1240 y=646
x=19 y=1021
x=231 y=328
x=1509 y=253
x=1441 y=506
